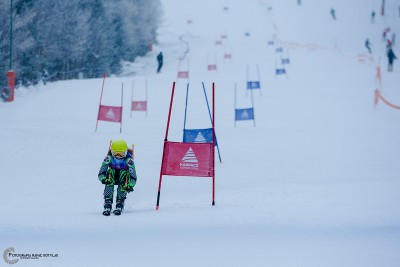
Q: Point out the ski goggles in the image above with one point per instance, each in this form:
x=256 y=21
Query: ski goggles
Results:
x=119 y=154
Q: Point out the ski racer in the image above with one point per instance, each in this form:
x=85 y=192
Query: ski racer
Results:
x=117 y=169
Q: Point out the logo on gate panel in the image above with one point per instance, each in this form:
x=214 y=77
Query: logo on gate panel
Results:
x=200 y=138
x=245 y=115
x=110 y=114
x=189 y=161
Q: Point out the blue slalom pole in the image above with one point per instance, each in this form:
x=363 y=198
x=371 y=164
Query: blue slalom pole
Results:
x=209 y=112
x=187 y=93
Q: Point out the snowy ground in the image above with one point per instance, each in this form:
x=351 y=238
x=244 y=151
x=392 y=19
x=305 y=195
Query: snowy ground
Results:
x=315 y=183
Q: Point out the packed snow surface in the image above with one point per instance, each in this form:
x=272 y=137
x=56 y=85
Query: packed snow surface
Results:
x=316 y=182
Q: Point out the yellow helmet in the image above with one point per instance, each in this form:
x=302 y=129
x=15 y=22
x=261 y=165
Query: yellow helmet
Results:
x=119 y=148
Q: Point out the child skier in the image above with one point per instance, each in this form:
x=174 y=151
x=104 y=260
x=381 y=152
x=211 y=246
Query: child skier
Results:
x=118 y=169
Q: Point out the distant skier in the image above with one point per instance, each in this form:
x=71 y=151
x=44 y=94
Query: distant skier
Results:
x=160 y=59
x=333 y=13
x=373 y=17
x=388 y=44
x=368 y=45
x=393 y=38
x=118 y=169
x=385 y=33
x=299 y=2
x=391 y=57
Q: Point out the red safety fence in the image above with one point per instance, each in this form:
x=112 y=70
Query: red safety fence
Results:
x=379 y=76
x=11 y=84
x=378 y=96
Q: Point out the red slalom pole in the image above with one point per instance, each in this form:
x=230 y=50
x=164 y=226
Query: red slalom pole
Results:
x=147 y=102
x=133 y=83
x=122 y=100
x=213 y=146
x=165 y=142
x=169 y=112
x=101 y=96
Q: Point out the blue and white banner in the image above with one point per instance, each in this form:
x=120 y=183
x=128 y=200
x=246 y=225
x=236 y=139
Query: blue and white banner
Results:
x=197 y=135
x=244 y=114
x=253 y=85
x=280 y=71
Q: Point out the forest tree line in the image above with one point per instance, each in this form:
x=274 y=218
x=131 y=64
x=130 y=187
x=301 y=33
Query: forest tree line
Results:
x=61 y=39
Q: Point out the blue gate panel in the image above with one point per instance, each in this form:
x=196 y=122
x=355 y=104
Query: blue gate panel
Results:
x=253 y=85
x=197 y=135
x=244 y=114
x=280 y=71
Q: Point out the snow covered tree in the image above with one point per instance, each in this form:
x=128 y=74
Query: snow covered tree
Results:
x=61 y=39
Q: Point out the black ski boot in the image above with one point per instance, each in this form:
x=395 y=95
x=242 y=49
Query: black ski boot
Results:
x=107 y=207
x=119 y=207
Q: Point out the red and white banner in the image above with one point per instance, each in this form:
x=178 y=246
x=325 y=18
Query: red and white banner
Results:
x=110 y=113
x=212 y=67
x=188 y=159
x=183 y=74
x=139 y=105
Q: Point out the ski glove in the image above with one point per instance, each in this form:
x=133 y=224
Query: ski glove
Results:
x=128 y=186
x=107 y=180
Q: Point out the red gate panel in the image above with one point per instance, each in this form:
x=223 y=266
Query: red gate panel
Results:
x=183 y=74
x=188 y=159
x=139 y=105
x=110 y=113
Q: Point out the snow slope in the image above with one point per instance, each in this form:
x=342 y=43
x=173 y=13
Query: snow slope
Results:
x=315 y=183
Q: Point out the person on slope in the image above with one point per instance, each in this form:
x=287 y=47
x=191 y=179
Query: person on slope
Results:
x=160 y=60
x=368 y=45
x=391 y=57
x=333 y=13
x=117 y=169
